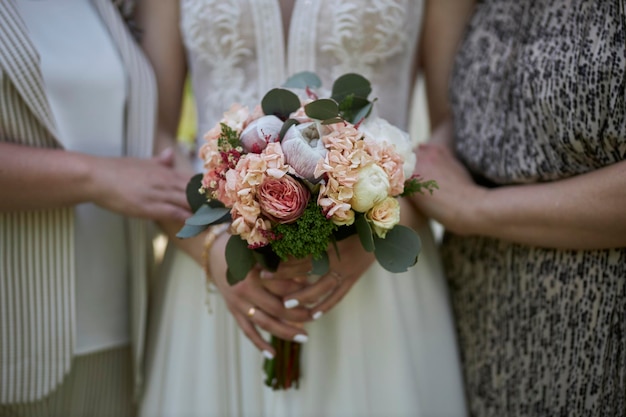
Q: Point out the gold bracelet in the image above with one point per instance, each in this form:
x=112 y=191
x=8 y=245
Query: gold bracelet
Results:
x=213 y=233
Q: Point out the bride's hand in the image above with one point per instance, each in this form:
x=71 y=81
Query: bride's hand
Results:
x=252 y=304
x=330 y=288
x=344 y=271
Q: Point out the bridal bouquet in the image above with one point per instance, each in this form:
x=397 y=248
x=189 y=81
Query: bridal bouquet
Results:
x=298 y=173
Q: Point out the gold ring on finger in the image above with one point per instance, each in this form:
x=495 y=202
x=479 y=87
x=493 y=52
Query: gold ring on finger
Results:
x=338 y=277
x=251 y=311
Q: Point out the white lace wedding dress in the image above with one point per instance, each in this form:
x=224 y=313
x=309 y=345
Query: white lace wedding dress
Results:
x=388 y=348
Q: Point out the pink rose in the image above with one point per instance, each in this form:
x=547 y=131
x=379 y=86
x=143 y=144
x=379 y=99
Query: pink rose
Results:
x=283 y=199
x=260 y=132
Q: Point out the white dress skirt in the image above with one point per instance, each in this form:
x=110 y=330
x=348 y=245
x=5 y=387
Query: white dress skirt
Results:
x=388 y=348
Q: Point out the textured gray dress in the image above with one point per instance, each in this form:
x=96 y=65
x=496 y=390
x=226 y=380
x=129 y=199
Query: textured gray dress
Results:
x=538 y=93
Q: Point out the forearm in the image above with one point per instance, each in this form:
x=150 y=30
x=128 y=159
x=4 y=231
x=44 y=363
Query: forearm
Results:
x=587 y=211
x=191 y=246
x=443 y=29
x=37 y=178
x=583 y=212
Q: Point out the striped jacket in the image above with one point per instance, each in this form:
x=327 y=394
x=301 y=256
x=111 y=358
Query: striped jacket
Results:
x=37 y=321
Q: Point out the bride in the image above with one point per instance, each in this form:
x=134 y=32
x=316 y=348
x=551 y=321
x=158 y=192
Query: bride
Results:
x=388 y=348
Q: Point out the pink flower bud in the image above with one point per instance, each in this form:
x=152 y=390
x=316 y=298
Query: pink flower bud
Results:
x=260 y=132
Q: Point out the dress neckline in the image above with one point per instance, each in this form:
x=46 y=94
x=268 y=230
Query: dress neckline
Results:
x=286 y=9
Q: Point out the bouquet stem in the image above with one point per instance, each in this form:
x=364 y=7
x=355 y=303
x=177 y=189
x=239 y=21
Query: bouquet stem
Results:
x=283 y=372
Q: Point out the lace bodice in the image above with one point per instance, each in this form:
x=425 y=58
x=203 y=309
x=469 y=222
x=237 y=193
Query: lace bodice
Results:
x=236 y=49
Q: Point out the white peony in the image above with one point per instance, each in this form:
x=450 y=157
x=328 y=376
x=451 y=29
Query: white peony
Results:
x=303 y=148
x=382 y=131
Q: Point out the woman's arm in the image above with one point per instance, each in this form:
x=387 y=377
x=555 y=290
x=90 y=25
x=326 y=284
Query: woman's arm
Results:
x=444 y=26
x=582 y=212
x=587 y=211
x=38 y=178
x=162 y=43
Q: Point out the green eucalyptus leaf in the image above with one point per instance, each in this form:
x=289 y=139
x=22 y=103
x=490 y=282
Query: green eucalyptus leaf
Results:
x=322 y=109
x=215 y=203
x=206 y=215
x=224 y=219
x=194 y=198
x=188 y=231
x=321 y=265
x=332 y=121
x=303 y=79
x=230 y=278
x=344 y=232
x=398 y=250
x=239 y=259
x=351 y=84
x=362 y=113
x=352 y=104
x=354 y=108
x=288 y=123
x=280 y=102
x=365 y=233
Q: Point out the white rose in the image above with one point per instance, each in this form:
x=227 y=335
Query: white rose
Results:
x=382 y=131
x=372 y=187
x=384 y=216
x=303 y=149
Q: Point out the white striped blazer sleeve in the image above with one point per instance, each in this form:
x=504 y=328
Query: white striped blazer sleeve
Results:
x=37 y=247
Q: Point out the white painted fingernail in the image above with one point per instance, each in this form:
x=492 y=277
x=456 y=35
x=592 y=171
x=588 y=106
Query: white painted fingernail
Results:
x=291 y=303
x=300 y=338
x=317 y=315
x=266 y=274
x=268 y=354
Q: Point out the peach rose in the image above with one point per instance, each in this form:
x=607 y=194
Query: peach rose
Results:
x=283 y=199
x=384 y=216
x=343 y=217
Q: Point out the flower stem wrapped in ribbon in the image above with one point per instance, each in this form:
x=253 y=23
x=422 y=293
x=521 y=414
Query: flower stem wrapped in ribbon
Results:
x=298 y=173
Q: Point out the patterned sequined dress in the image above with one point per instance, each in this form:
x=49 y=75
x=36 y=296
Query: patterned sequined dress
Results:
x=539 y=92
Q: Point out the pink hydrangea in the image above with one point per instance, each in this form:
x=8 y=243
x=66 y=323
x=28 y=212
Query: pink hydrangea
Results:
x=391 y=161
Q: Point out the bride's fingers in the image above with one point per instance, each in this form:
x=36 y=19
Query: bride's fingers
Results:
x=335 y=297
x=289 y=269
x=252 y=290
x=255 y=337
x=281 y=287
x=314 y=293
x=276 y=327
